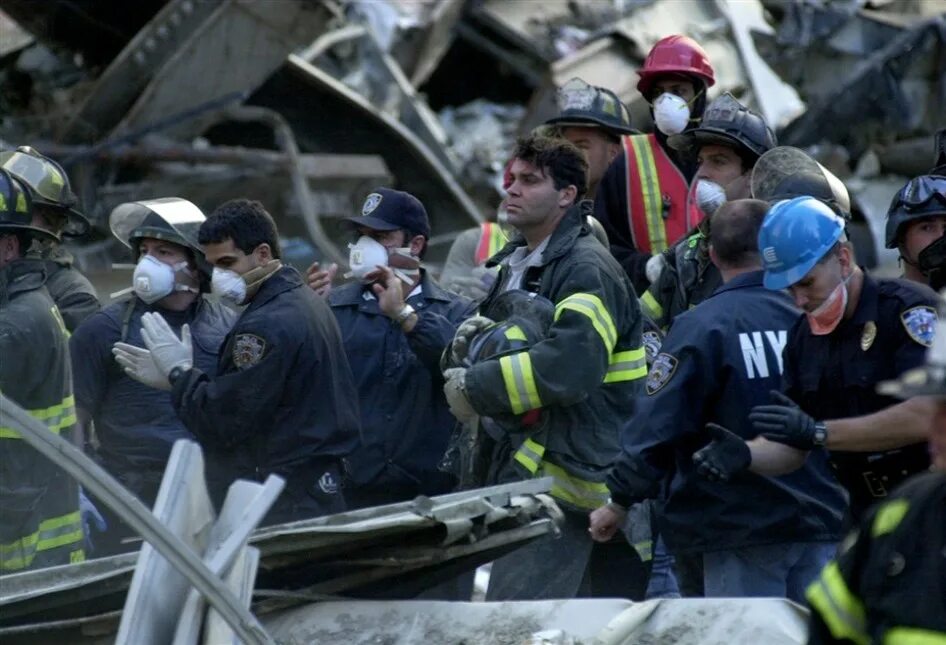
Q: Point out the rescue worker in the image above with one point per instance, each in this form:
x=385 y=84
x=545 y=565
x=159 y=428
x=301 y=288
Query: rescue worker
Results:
x=40 y=524
x=396 y=322
x=726 y=145
x=135 y=425
x=916 y=218
x=573 y=436
x=888 y=584
x=283 y=399
x=54 y=210
x=757 y=536
x=644 y=200
x=856 y=332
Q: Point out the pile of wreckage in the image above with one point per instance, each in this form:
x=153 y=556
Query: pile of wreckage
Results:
x=309 y=105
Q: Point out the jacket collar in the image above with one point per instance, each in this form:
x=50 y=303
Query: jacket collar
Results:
x=569 y=229
x=283 y=280
x=25 y=274
x=741 y=281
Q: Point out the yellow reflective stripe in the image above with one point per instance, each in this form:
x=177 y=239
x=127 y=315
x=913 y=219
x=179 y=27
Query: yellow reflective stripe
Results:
x=530 y=455
x=913 y=636
x=650 y=187
x=62 y=323
x=840 y=609
x=627 y=366
x=520 y=382
x=650 y=306
x=56 y=418
x=591 y=306
x=889 y=516
x=497 y=239
x=52 y=533
x=574 y=490
x=645 y=550
x=514 y=333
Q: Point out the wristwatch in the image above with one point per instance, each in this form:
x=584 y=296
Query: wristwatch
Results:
x=821 y=433
x=176 y=373
x=405 y=313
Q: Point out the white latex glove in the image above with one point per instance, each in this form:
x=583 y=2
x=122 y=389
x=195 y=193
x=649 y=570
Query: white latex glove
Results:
x=139 y=365
x=655 y=266
x=167 y=350
x=467 y=330
x=455 y=390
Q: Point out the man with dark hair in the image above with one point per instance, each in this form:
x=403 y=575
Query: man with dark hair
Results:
x=757 y=536
x=283 y=401
x=568 y=411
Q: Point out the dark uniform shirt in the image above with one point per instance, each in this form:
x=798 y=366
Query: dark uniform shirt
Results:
x=283 y=400
x=888 y=585
x=404 y=415
x=716 y=362
x=834 y=377
x=70 y=290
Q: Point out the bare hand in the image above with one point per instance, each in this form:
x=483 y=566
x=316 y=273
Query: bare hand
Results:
x=388 y=290
x=605 y=521
x=320 y=280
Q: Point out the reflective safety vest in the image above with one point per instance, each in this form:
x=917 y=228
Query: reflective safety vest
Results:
x=492 y=239
x=660 y=210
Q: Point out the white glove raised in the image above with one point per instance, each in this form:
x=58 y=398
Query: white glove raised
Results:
x=467 y=330
x=167 y=350
x=139 y=365
x=454 y=388
x=655 y=266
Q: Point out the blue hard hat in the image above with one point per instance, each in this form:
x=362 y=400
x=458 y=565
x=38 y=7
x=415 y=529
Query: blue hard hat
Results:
x=795 y=235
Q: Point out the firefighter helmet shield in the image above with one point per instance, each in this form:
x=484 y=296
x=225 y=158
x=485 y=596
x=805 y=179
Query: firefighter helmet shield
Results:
x=49 y=185
x=583 y=105
x=727 y=122
x=16 y=208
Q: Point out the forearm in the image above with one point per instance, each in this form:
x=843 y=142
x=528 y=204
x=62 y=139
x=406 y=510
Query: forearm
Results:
x=773 y=459
x=899 y=425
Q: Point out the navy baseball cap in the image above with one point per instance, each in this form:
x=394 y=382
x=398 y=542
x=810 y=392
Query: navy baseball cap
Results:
x=388 y=210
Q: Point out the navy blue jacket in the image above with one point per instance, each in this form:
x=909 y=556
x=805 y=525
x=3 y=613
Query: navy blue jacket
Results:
x=405 y=420
x=136 y=425
x=835 y=377
x=283 y=400
x=717 y=361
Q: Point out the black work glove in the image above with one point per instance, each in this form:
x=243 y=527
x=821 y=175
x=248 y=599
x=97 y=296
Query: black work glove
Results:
x=724 y=456
x=784 y=422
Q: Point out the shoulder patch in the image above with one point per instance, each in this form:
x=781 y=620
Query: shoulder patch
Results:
x=248 y=350
x=920 y=323
x=660 y=372
x=652 y=343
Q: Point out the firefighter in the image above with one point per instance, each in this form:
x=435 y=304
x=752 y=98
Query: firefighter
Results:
x=135 y=425
x=916 y=218
x=40 y=524
x=54 y=209
x=644 y=200
x=888 y=584
x=597 y=318
x=283 y=400
x=856 y=331
x=726 y=145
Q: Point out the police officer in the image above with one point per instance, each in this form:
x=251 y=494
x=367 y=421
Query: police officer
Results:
x=54 y=210
x=396 y=322
x=40 y=524
x=597 y=318
x=856 y=331
x=916 y=218
x=758 y=536
x=888 y=585
x=644 y=199
x=727 y=144
x=136 y=425
x=283 y=401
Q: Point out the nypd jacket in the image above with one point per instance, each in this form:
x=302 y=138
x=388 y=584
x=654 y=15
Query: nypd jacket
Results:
x=136 y=425
x=283 y=399
x=39 y=503
x=583 y=376
x=404 y=415
x=888 y=585
x=717 y=361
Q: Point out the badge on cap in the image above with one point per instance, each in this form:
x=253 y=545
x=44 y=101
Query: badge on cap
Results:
x=920 y=323
x=660 y=373
x=372 y=202
x=868 y=336
x=248 y=350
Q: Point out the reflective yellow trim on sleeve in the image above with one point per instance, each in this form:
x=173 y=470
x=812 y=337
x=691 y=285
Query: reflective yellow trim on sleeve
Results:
x=645 y=550
x=593 y=308
x=650 y=306
x=627 y=366
x=650 y=187
x=514 y=333
x=520 y=382
x=913 y=636
x=889 y=516
x=574 y=490
x=530 y=455
x=841 y=610
x=497 y=239
x=56 y=417
x=53 y=532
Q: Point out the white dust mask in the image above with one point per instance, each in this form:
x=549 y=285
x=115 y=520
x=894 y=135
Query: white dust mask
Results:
x=365 y=256
x=153 y=279
x=228 y=285
x=709 y=195
x=671 y=114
